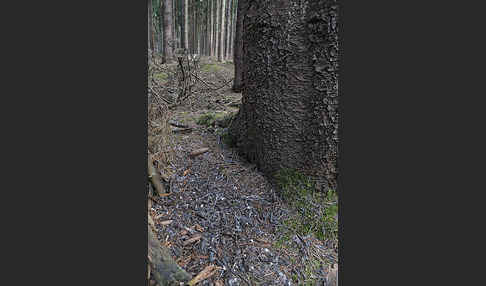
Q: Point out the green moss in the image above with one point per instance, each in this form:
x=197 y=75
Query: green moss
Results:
x=162 y=76
x=206 y=119
x=316 y=212
x=210 y=67
x=228 y=139
x=222 y=119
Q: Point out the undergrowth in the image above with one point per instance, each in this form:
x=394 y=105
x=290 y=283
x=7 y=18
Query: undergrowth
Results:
x=221 y=119
x=161 y=76
x=316 y=212
x=210 y=67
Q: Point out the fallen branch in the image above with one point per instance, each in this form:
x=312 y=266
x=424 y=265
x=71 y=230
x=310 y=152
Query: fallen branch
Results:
x=192 y=239
x=235 y=104
x=177 y=124
x=181 y=130
x=207 y=272
x=208 y=85
x=198 y=152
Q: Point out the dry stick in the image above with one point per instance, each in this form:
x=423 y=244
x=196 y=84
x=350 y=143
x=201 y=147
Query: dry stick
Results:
x=207 y=272
x=182 y=130
x=177 y=124
x=198 y=152
x=225 y=84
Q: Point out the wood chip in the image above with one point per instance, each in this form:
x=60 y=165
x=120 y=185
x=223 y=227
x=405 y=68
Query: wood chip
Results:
x=183 y=261
x=199 y=228
x=198 y=152
x=159 y=216
x=219 y=283
x=192 y=239
x=186 y=172
x=166 y=222
x=207 y=272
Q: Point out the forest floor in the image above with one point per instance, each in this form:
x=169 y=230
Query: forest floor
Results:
x=222 y=211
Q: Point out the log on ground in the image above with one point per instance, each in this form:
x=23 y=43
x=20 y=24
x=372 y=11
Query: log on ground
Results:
x=164 y=269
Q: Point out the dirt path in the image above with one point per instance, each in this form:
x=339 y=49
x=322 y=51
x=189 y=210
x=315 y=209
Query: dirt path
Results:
x=222 y=211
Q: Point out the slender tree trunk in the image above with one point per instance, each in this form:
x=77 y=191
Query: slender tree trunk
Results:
x=194 y=27
x=238 y=47
x=227 y=30
x=211 y=41
x=230 y=31
x=216 y=29
x=189 y=26
x=161 y=33
x=150 y=41
x=288 y=118
x=208 y=28
x=186 y=25
x=174 y=24
x=221 y=33
x=181 y=23
x=168 y=39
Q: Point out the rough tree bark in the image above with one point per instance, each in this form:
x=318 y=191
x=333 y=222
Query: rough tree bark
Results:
x=238 y=46
x=288 y=118
x=168 y=37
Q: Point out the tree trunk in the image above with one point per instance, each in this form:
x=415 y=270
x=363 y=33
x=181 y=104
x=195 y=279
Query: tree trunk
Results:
x=216 y=28
x=186 y=25
x=238 y=47
x=194 y=27
x=221 y=32
x=209 y=27
x=161 y=18
x=150 y=32
x=168 y=38
x=174 y=24
x=288 y=117
x=227 y=30
x=231 y=31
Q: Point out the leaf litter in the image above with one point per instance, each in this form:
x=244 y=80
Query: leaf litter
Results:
x=222 y=218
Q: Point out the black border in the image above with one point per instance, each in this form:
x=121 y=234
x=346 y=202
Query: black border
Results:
x=340 y=161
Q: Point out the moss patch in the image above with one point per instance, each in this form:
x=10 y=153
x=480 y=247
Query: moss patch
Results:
x=315 y=212
x=210 y=67
x=221 y=119
x=228 y=139
x=161 y=76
